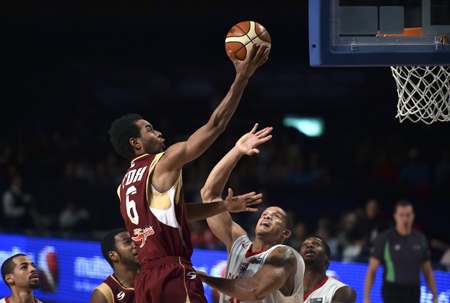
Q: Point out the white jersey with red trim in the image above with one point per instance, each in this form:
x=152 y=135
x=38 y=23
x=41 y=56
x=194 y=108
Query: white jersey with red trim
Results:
x=5 y=300
x=324 y=292
x=244 y=264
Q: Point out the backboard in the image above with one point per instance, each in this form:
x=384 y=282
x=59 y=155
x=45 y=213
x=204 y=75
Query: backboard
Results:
x=377 y=32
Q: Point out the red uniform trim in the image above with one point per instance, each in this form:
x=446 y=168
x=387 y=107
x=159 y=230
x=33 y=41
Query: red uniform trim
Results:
x=317 y=287
x=249 y=254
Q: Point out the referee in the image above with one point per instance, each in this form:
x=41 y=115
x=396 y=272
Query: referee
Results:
x=404 y=252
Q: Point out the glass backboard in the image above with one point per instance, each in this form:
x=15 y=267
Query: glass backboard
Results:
x=379 y=32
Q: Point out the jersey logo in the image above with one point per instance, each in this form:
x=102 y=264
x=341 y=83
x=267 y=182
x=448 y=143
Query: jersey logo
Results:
x=191 y=275
x=256 y=260
x=141 y=234
x=243 y=267
x=316 y=300
x=120 y=295
x=397 y=247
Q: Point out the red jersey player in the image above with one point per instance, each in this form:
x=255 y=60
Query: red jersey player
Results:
x=152 y=200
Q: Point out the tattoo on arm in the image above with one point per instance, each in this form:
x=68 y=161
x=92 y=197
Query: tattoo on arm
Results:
x=284 y=256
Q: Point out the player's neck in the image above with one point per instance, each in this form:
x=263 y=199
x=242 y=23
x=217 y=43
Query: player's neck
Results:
x=261 y=244
x=312 y=279
x=21 y=296
x=126 y=277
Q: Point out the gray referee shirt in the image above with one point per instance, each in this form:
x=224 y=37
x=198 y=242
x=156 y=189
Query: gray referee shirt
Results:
x=402 y=256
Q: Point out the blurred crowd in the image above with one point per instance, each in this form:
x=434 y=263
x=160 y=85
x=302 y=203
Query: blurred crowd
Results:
x=62 y=182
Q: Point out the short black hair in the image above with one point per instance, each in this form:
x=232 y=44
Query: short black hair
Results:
x=120 y=133
x=8 y=267
x=325 y=244
x=289 y=224
x=109 y=243
x=402 y=203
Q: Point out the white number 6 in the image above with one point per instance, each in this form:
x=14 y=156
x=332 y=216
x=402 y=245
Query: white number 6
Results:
x=131 y=205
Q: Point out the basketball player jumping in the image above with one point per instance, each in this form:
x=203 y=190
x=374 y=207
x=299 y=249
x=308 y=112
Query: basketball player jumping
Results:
x=273 y=272
x=152 y=200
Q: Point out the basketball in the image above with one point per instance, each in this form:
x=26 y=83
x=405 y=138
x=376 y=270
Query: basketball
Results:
x=241 y=36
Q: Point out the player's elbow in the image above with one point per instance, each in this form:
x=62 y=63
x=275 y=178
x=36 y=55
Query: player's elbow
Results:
x=256 y=295
x=207 y=195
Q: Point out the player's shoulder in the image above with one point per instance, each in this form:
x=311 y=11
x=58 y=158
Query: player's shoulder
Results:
x=282 y=255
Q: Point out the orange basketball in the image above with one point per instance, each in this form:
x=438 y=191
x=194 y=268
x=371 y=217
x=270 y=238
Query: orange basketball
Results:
x=241 y=36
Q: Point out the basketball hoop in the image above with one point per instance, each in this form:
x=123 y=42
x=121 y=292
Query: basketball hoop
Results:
x=423 y=91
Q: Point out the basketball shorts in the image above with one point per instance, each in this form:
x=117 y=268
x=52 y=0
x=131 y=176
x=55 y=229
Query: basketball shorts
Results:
x=169 y=280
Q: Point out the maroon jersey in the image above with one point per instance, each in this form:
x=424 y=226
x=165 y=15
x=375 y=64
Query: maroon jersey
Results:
x=114 y=292
x=157 y=222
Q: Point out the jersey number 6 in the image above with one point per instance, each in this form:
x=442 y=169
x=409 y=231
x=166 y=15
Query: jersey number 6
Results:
x=131 y=205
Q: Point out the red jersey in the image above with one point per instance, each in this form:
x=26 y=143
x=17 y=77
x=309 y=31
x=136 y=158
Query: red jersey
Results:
x=157 y=222
x=114 y=292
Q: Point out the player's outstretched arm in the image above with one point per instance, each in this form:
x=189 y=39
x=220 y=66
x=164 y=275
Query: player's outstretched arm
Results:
x=345 y=294
x=279 y=266
x=222 y=225
x=234 y=204
x=98 y=297
x=179 y=154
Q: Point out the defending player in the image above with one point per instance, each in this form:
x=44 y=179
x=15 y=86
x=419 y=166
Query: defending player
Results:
x=273 y=272
x=119 y=250
x=151 y=195
x=317 y=285
x=20 y=275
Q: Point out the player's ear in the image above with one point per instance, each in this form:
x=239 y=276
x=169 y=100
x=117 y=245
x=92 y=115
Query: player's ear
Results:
x=287 y=233
x=113 y=255
x=9 y=278
x=135 y=143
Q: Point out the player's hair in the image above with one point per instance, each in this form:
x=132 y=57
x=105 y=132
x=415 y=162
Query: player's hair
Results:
x=402 y=203
x=8 y=267
x=120 y=133
x=325 y=244
x=289 y=224
x=109 y=243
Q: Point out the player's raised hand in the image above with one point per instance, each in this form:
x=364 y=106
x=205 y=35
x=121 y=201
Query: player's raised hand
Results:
x=247 y=143
x=241 y=203
x=258 y=56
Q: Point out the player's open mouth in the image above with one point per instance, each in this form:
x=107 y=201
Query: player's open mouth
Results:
x=34 y=277
x=310 y=252
x=265 y=223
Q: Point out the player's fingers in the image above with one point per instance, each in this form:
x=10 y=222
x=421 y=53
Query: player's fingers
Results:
x=265 y=139
x=253 y=202
x=232 y=56
x=261 y=53
x=253 y=51
x=230 y=192
x=263 y=132
x=250 y=209
x=255 y=127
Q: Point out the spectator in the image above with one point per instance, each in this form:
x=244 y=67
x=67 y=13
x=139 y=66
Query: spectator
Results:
x=368 y=227
x=74 y=218
x=17 y=205
x=415 y=171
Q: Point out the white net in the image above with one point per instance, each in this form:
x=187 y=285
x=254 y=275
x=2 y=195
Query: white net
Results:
x=423 y=93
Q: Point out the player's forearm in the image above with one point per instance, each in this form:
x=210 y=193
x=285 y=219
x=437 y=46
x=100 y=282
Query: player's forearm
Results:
x=200 y=211
x=219 y=176
x=223 y=113
x=242 y=289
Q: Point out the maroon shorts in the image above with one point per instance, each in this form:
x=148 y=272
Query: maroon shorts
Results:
x=169 y=280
